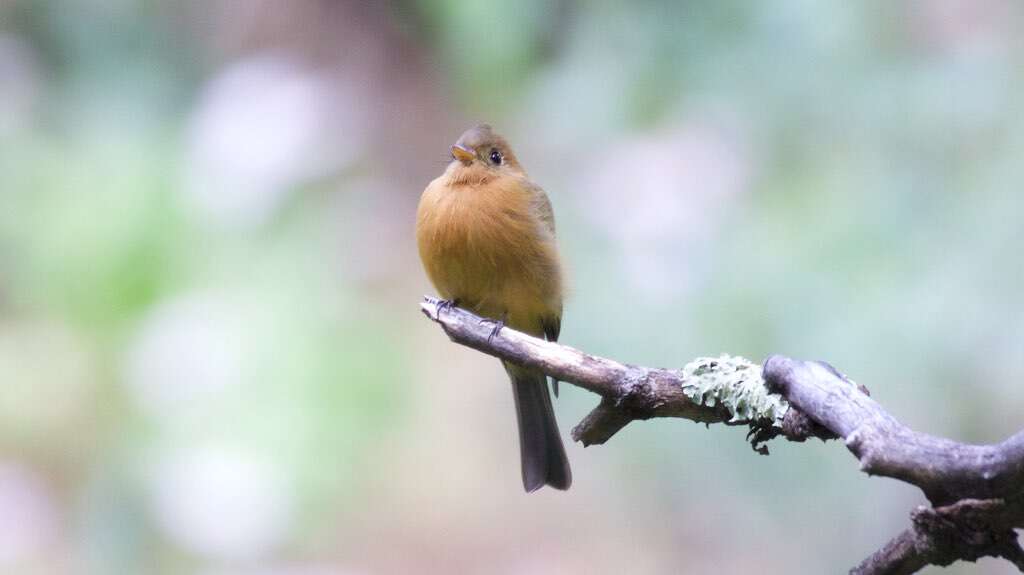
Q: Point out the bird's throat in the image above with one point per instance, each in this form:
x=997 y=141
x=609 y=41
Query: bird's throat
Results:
x=471 y=175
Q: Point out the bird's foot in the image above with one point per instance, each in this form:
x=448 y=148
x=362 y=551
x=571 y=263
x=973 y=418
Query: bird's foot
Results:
x=445 y=305
x=498 y=324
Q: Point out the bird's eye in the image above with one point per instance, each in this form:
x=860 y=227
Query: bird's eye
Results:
x=495 y=157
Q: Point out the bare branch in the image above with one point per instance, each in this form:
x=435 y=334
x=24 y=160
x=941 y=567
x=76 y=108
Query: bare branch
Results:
x=977 y=490
x=945 y=470
x=602 y=423
x=900 y=556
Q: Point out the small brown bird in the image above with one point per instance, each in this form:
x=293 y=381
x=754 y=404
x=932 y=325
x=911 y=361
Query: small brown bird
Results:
x=486 y=236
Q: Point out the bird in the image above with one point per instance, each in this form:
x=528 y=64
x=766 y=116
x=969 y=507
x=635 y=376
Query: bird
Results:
x=486 y=238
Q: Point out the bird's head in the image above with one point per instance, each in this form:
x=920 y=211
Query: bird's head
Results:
x=481 y=154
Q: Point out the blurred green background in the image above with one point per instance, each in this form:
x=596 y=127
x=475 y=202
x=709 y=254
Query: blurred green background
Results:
x=211 y=358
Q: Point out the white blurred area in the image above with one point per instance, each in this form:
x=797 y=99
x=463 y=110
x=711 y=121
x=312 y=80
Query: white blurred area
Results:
x=185 y=353
x=20 y=83
x=660 y=197
x=262 y=127
x=223 y=504
x=300 y=569
x=30 y=517
x=963 y=26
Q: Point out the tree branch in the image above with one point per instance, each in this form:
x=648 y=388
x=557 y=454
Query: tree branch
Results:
x=966 y=530
x=945 y=470
x=977 y=490
x=729 y=390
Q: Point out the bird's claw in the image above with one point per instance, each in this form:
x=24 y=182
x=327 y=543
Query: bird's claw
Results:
x=498 y=324
x=444 y=305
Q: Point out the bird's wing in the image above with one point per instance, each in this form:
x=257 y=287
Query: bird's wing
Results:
x=552 y=324
x=542 y=205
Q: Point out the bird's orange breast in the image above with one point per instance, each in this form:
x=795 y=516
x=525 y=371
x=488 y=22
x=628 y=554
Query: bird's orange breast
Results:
x=483 y=245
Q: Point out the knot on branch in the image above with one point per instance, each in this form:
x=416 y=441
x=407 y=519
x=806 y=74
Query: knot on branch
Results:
x=798 y=426
x=965 y=531
x=635 y=394
x=867 y=450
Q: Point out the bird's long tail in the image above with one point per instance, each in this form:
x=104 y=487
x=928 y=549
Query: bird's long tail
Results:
x=543 y=456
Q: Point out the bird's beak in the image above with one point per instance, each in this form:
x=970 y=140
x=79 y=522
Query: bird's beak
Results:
x=462 y=154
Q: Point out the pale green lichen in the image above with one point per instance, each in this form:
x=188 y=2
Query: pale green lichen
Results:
x=735 y=383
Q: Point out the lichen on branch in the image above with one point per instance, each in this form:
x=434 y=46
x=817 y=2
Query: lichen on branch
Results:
x=735 y=383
